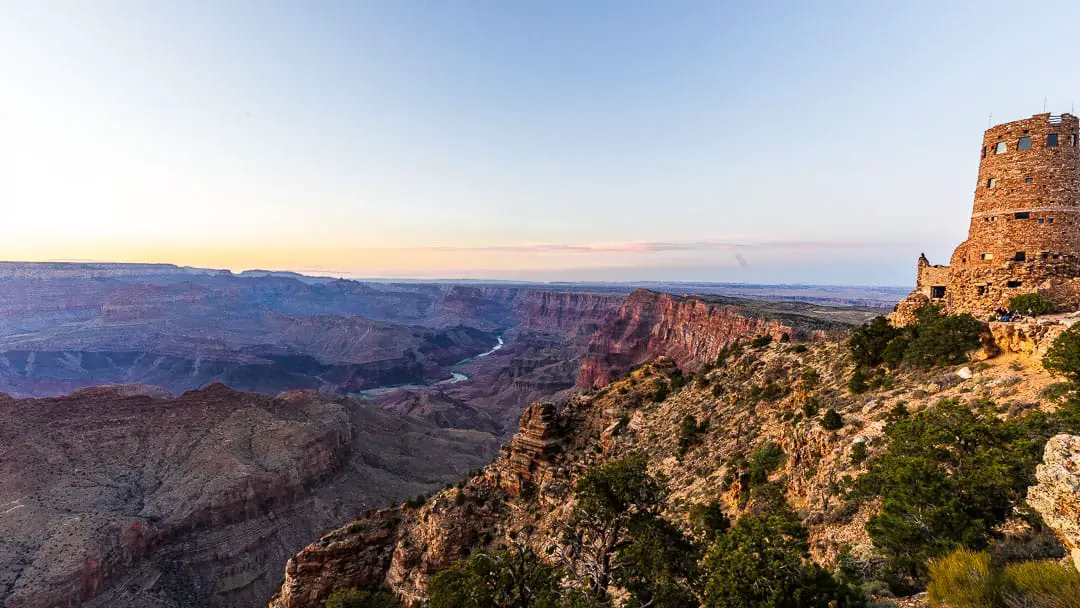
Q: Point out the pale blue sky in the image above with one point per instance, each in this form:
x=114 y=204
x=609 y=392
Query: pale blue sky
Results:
x=823 y=142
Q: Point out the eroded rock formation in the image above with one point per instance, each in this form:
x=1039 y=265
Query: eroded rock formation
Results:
x=120 y=497
x=694 y=330
x=1057 y=496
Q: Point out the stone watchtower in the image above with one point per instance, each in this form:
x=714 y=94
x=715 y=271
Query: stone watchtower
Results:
x=1024 y=234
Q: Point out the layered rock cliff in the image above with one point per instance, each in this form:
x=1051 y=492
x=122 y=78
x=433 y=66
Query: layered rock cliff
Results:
x=694 y=330
x=123 y=497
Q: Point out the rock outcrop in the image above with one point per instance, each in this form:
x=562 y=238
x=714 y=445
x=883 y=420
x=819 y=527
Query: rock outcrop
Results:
x=123 y=498
x=757 y=399
x=694 y=330
x=533 y=446
x=1057 y=496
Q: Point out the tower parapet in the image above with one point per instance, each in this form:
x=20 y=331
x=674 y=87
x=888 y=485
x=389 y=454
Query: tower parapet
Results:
x=1024 y=234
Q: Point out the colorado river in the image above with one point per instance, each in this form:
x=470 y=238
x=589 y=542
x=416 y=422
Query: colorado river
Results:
x=485 y=353
x=454 y=378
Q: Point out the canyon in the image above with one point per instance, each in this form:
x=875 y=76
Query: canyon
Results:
x=246 y=414
x=124 y=496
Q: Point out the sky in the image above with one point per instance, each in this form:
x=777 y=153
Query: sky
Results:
x=808 y=142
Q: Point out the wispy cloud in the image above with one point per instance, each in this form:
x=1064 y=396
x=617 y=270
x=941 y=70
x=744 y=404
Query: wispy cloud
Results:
x=664 y=246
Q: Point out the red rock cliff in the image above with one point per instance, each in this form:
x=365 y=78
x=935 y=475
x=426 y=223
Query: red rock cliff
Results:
x=689 y=330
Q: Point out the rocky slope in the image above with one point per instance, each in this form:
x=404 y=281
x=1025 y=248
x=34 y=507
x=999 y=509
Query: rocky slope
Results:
x=754 y=400
x=694 y=329
x=123 y=497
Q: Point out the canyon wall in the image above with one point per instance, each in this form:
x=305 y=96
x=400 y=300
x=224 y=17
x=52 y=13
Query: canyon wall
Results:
x=123 y=497
x=693 y=330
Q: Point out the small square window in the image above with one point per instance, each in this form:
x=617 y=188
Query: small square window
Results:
x=1052 y=140
x=1044 y=255
x=987 y=256
x=1020 y=256
x=990 y=183
x=1001 y=147
x=937 y=291
x=1041 y=221
x=1050 y=220
x=1022 y=215
x=1025 y=143
x=980 y=290
x=1013 y=284
x=1028 y=180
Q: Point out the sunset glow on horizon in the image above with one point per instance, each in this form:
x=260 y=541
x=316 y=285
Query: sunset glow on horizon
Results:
x=621 y=141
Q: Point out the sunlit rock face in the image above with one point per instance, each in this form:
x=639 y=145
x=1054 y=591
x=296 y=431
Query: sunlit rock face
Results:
x=1057 y=496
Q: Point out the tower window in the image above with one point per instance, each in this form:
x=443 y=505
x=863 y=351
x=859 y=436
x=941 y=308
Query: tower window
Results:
x=1013 y=284
x=1072 y=141
x=980 y=290
x=937 y=291
x=1050 y=220
x=1022 y=215
x=1028 y=180
x=1001 y=147
x=987 y=256
x=1025 y=143
x=1052 y=140
x=990 y=183
x=1041 y=220
x=1020 y=256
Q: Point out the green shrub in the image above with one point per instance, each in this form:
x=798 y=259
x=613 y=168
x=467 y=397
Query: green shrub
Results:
x=832 y=421
x=709 y=519
x=1042 y=585
x=868 y=343
x=762 y=563
x=678 y=380
x=810 y=408
x=514 y=577
x=1031 y=304
x=894 y=352
x=948 y=477
x=761 y=341
x=1063 y=356
x=801 y=348
x=858 y=384
x=691 y=432
x=964 y=579
x=940 y=339
x=934 y=339
x=763 y=462
x=785 y=338
x=1056 y=391
x=810 y=378
x=858 y=453
x=969 y=579
x=661 y=393
x=362 y=598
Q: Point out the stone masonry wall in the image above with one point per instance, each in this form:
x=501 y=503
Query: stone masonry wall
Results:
x=1024 y=233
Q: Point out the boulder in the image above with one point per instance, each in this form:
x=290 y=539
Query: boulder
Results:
x=1057 y=496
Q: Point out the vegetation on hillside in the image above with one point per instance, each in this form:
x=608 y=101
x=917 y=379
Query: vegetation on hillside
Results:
x=618 y=538
x=970 y=579
x=1031 y=304
x=940 y=483
x=934 y=339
